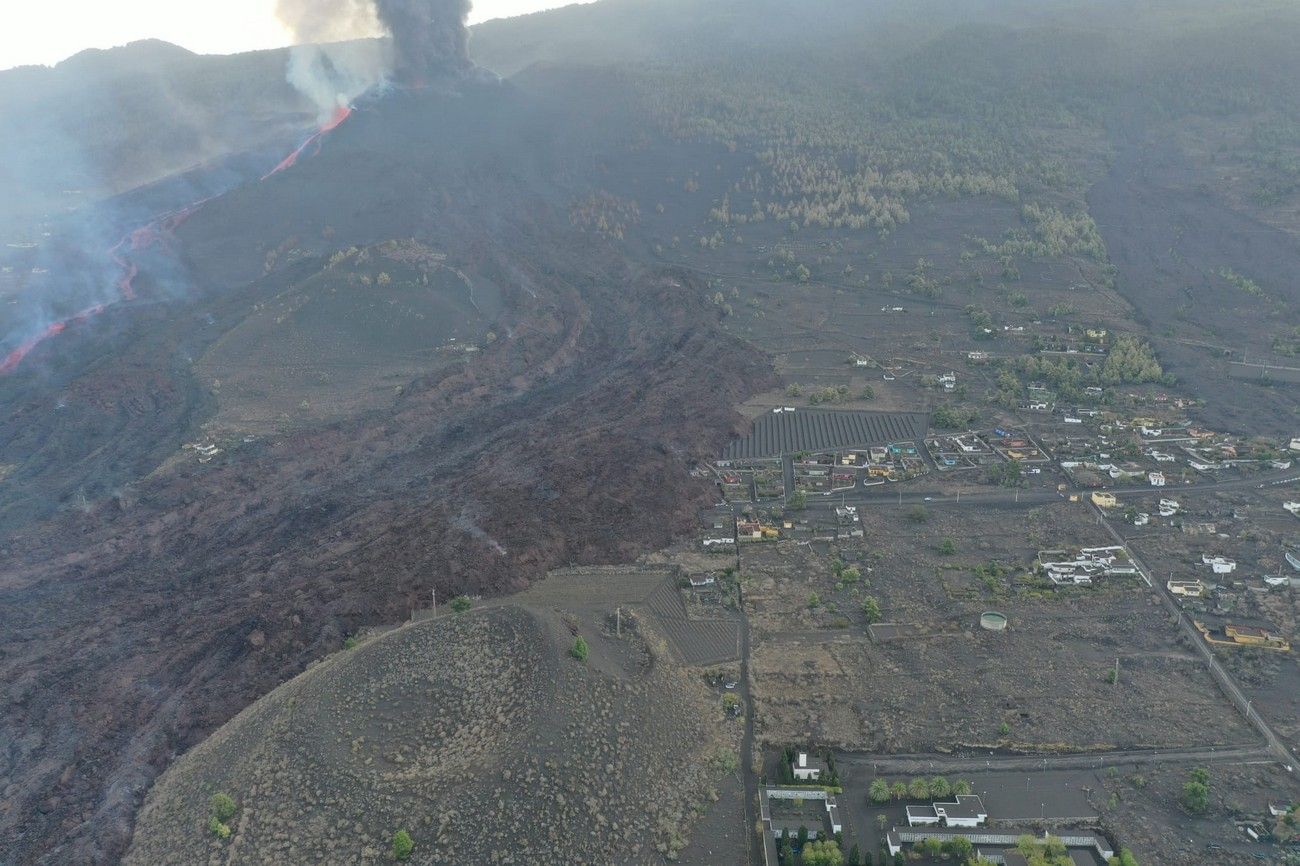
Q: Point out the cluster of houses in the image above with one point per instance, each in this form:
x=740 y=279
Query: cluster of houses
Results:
x=1083 y=566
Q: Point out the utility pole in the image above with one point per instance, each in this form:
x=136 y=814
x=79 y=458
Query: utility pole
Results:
x=434 y=593
x=1116 y=670
x=618 y=621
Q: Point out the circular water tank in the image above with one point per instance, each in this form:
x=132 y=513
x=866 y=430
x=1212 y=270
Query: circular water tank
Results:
x=993 y=621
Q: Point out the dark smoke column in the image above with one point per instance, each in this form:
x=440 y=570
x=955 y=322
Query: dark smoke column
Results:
x=429 y=37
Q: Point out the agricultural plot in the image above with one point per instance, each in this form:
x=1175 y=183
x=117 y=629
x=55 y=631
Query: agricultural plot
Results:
x=778 y=433
x=1043 y=684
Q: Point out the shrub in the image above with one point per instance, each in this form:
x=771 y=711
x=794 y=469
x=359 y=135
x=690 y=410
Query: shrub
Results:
x=403 y=845
x=1195 y=797
x=461 y=603
x=871 y=609
x=217 y=828
x=580 y=650
x=918 y=514
x=223 y=807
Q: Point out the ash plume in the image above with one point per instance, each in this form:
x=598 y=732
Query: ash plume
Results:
x=428 y=39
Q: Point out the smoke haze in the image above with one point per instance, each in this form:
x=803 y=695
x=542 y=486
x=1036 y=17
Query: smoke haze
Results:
x=428 y=39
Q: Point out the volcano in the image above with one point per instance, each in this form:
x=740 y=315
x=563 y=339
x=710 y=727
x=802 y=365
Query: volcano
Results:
x=398 y=367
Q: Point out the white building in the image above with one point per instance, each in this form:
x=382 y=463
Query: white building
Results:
x=1157 y=479
x=807 y=769
x=1219 y=564
x=967 y=811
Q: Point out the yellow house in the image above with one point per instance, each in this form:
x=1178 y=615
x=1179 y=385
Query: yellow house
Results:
x=1186 y=588
x=1253 y=636
x=1104 y=500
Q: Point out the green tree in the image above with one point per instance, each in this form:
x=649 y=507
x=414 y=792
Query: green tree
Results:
x=814 y=600
x=822 y=853
x=223 y=807
x=579 y=650
x=1195 y=797
x=218 y=828
x=798 y=500
x=959 y=848
x=855 y=856
x=461 y=603
x=918 y=789
x=403 y=845
x=898 y=790
x=871 y=609
x=1009 y=474
x=878 y=791
x=940 y=787
x=961 y=786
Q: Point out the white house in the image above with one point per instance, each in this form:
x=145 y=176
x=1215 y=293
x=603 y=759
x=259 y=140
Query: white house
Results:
x=967 y=811
x=1219 y=564
x=1157 y=479
x=807 y=769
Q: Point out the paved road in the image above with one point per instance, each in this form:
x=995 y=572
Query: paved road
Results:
x=893 y=495
x=756 y=853
x=929 y=764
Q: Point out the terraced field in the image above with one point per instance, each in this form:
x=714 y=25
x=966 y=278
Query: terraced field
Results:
x=699 y=641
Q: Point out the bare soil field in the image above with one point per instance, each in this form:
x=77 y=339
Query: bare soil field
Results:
x=1141 y=806
x=477 y=733
x=1042 y=685
x=595 y=593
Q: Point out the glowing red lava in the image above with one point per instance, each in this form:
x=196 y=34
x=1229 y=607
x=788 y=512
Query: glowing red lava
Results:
x=146 y=236
x=340 y=114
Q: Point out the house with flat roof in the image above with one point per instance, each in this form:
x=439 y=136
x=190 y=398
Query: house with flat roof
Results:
x=807 y=768
x=1186 y=588
x=967 y=811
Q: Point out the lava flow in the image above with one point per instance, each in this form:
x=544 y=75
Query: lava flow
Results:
x=15 y=357
x=146 y=236
x=340 y=114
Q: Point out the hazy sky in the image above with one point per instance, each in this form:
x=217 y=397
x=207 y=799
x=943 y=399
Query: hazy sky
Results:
x=47 y=31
